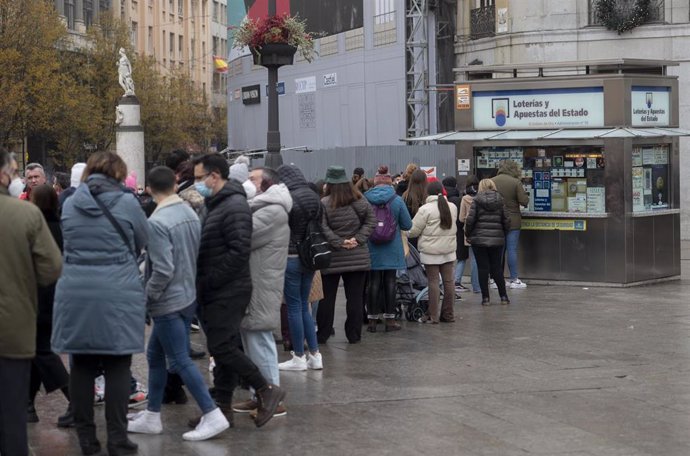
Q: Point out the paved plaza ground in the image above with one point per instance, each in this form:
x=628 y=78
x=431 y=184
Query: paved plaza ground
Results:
x=564 y=371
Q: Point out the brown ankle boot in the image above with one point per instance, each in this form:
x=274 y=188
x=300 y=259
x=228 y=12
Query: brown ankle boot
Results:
x=392 y=325
x=372 y=325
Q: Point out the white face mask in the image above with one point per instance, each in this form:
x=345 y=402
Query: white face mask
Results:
x=16 y=188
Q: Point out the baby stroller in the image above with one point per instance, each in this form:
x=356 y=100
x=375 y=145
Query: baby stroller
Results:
x=412 y=291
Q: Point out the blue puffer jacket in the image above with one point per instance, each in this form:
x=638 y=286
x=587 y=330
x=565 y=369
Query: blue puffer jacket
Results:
x=99 y=300
x=390 y=255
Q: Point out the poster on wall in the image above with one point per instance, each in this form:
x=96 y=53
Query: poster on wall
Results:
x=596 y=200
x=305 y=85
x=659 y=187
x=306 y=105
x=650 y=106
x=429 y=170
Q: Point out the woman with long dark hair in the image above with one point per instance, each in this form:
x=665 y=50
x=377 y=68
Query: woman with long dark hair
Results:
x=471 y=188
x=435 y=226
x=47 y=368
x=486 y=226
x=347 y=223
x=100 y=306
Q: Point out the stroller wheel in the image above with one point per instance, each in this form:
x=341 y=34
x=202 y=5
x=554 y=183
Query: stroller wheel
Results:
x=417 y=313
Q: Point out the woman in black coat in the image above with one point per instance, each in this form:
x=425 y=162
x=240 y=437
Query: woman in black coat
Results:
x=47 y=368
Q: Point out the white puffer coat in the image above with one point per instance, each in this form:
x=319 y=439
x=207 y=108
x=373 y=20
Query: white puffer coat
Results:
x=268 y=260
x=436 y=245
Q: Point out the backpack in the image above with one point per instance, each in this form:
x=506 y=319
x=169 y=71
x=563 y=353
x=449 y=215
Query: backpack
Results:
x=314 y=250
x=386 y=225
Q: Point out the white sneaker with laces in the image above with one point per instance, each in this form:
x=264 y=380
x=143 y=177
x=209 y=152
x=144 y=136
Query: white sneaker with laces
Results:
x=211 y=424
x=517 y=283
x=297 y=363
x=146 y=422
x=314 y=362
x=492 y=284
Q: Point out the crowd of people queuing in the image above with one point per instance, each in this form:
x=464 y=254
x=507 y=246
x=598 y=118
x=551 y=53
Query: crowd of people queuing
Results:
x=94 y=257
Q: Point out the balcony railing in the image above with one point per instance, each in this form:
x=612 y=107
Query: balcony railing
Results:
x=483 y=22
x=656 y=10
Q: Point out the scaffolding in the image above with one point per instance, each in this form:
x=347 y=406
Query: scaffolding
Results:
x=417 y=71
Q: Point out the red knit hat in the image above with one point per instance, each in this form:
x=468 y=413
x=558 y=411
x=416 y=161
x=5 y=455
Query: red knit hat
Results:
x=435 y=179
x=382 y=177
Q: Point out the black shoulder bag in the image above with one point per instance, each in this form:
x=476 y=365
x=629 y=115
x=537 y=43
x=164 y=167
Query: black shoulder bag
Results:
x=116 y=225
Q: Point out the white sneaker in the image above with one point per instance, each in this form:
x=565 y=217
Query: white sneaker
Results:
x=211 y=364
x=99 y=390
x=146 y=422
x=315 y=362
x=211 y=424
x=297 y=363
x=492 y=284
x=517 y=283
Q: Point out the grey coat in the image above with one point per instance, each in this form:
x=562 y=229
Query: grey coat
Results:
x=99 y=300
x=356 y=220
x=268 y=259
x=171 y=265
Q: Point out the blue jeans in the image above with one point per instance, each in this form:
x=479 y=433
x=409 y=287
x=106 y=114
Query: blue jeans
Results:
x=296 y=290
x=170 y=341
x=260 y=346
x=512 y=239
x=460 y=271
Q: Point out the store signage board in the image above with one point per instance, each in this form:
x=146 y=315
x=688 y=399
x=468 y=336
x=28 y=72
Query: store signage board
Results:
x=554 y=224
x=280 y=87
x=305 y=85
x=251 y=94
x=330 y=80
x=650 y=106
x=539 y=108
x=462 y=97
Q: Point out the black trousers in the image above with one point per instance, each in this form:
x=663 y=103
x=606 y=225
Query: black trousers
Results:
x=116 y=369
x=46 y=367
x=354 y=293
x=382 y=294
x=221 y=322
x=489 y=260
x=14 y=394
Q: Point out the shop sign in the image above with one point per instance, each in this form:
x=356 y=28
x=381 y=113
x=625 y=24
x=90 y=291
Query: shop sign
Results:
x=539 y=108
x=650 y=106
x=305 y=85
x=237 y=94
x=462 y=97
x=330 y=80
x=554 y=224
x=251 y=94
x=280 y=87
x=429 y=170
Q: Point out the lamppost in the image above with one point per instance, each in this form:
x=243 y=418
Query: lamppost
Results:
x=273 y=157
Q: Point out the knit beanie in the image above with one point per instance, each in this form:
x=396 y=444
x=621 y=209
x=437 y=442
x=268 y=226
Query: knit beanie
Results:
x=77 y=172
x=382 y=177
x=239 y=172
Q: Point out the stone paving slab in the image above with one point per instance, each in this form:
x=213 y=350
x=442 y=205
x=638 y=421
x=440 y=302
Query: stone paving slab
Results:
x=563 y=371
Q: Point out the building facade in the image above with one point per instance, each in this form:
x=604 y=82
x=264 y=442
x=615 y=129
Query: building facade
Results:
x=512 y=32
x=219 y=48
x=178 y=33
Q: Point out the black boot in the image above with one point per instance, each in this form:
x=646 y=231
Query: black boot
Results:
x=87 y=440
x=174 y=393
x=121 y=448
x=269 y=397
x=66 y=420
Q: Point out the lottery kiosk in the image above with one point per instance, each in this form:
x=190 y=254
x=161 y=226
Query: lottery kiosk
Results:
x=597 y=145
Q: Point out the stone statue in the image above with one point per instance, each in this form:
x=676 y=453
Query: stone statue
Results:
x=124 y=71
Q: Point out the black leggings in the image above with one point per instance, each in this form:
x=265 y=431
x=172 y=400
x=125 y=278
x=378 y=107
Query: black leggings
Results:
x=353 y=283
x=489 y=260
x=381 y=299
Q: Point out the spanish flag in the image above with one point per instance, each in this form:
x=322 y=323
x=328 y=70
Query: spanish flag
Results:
x=220 y=65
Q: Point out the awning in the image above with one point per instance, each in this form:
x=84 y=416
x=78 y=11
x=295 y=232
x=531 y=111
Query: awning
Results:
x=528 y=135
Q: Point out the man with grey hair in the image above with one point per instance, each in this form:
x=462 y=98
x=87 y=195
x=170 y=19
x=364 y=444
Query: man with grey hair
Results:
x=30 y=258
x=35 y=175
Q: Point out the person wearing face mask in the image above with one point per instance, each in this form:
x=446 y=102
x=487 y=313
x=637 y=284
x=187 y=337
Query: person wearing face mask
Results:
x=30 y=257
x=224 y=286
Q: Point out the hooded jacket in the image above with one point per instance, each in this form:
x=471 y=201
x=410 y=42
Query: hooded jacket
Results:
x=436 y=244
x=29 y=258
x=100 y=307
x=223 y=275
x=268 y=260
x=391 y=254
x=487 y=224
x=305 y=204
x=513 y=194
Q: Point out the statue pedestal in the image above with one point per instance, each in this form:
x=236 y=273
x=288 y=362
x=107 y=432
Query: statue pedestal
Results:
x=129 y=137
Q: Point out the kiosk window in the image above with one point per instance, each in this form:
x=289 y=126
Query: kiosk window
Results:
x=557 y=179
x=650 y=176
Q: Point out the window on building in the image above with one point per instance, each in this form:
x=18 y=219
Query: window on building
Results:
x=150 y=40
x=163 y=43
x=215 y=45
x=180 y=7
x=134 y=34
x=215 y=11
x=656 y=10
x=482 y=19
x=172 y=46
x=192 y=53
x=354 y=39
x=135 y=5
x=69 y=13
x=171 y=6
x=123 y=6
x=384 y=23
x=180 y=47
x=88 y=13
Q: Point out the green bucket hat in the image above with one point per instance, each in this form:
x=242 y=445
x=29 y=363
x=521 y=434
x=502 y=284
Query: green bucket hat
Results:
x=336 y=175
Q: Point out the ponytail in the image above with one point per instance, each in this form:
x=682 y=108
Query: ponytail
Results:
x=435 y=188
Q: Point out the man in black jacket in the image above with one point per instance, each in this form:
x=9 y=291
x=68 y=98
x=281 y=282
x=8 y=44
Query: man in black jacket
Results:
x=224 y=286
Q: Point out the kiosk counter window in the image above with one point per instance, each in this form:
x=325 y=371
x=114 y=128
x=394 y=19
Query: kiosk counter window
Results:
x=557 y=179
x=650 y=177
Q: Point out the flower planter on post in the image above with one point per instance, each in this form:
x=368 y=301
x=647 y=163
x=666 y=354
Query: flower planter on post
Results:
x=274 y=55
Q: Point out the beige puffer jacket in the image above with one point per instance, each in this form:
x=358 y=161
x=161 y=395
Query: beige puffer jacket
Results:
x=434 y=240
